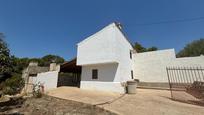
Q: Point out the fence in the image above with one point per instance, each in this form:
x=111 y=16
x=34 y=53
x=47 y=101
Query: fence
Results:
x=186 y=84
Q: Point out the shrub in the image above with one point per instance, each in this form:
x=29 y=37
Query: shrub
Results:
x=13 y=85
x=37 y=90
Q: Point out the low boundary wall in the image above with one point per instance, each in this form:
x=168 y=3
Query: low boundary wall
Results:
x=48 y=79
x=150 y=67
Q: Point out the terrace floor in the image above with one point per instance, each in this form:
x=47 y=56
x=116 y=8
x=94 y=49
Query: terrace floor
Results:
x=145 y=102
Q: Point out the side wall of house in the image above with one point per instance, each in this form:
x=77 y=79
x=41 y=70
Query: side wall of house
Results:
x=151 y=66
x=105 y=81
x=123 y=56
x=106 y=72
x=114 y=64
x=103 y=86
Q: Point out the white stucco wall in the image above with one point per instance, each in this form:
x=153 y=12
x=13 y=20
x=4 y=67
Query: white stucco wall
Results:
x=126 y=64
x=48 y=79
x=106 y=78
x=151 y=66
x=103 y=86
x=106 y=72
x=98 y=48
x=189 y=61
x=108 y=51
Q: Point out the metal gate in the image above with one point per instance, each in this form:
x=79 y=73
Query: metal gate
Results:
x=69 y=79
x=186 y=84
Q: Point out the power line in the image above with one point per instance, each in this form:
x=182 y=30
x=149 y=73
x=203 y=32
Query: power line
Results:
x=172 y=21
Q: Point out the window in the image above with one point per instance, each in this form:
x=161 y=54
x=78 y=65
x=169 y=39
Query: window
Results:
x=130 y=54
x=94 y=74
x=33 y=75
x=132 y=74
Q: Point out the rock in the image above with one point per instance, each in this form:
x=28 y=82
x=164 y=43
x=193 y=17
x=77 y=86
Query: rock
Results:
x=14 y=112
x=59 y=113
x=25 y=113
x=4 y=98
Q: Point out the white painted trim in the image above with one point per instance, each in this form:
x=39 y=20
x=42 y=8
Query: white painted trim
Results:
x=103 y=86
x=100 y=63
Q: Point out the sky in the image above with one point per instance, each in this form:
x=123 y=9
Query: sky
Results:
x=34 y=28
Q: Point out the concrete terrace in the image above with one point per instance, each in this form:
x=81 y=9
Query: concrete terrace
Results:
x=145 y=102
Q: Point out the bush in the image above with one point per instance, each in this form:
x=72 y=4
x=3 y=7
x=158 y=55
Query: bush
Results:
x=13 y=85
x=37 y=90
x=195 y=48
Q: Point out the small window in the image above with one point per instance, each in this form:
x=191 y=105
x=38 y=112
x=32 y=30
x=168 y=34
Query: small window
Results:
x=33 y=75
x=94 y=74
x=130 y=55
x=132 y=74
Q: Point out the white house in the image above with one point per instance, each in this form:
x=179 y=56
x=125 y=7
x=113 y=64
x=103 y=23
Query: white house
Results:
x=106 y=60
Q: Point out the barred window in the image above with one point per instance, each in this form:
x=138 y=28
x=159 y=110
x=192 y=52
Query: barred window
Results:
x=132 y=74
x=94 y=74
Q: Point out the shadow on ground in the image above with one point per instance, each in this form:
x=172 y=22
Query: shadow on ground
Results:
x=193 y=102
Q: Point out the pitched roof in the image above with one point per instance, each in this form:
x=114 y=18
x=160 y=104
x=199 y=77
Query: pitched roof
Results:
x=116 y=24
x=70 y=66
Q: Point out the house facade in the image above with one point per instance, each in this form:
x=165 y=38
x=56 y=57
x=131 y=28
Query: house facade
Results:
x=106 y=60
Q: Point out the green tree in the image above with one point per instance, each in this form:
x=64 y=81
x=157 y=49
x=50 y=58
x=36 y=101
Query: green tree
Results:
x=10 y=81
x=19 y=64
x=5 y=62
x=153 y=48
x=13 y=85
x=46 y=60
x=139 y=48
x=195 y=48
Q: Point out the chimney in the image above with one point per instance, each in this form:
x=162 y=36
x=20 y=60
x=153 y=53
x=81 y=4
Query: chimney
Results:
x=119 y=25
x=53 y=67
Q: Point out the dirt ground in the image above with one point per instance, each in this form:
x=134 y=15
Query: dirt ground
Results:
x=145 y=102
x=183 y=96
x=51 y=106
